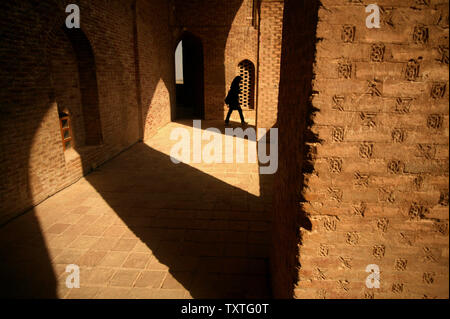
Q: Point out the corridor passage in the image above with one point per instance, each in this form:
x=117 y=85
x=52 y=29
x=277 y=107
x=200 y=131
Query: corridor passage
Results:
x=140 y=226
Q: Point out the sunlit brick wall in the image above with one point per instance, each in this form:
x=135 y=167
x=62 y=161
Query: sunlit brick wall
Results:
x=34 y=165
x=378 y=190
x=269 y=62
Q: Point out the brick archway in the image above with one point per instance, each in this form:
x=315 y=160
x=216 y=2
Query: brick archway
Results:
x=247 y=95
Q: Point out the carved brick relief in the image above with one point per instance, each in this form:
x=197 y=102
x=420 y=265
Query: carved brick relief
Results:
x=365 y=150
x=359 y=209
x=434 y=121
x=420 y=34
x=335 y=165
x=412 y=70
x=321 y=294
x=335 y=194
x=320 y=274
x=338 y=102
x=428 y=277
x=345 y=68
x=418 y=182
x=386 y=16
x=374 y=88
x=417 y=211
x=438 y=90
x=397 y=288
x=344 y=285
x=395 y=167
x=382 y=224
x=330 y=223
x=443 y=198
x=386 y=195
x=398 y=135
x=368 y=119
x=426 y=150
x=361 y=180
x=337 y=134
x=405 y=239
x=378 y=251
x=352 y=238
x=348 y=33
x=443 y=51
x=428 y=255
x=369 y=295
x=377 y=52
x=443 y=18
x=422 y=2
x=441 y=227
x=401 y=264
x=403 y=105
x=346 y=262
x=324 y=250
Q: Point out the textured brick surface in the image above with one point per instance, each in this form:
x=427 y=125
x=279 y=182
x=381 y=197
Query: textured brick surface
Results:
x=156 y=56
x=269 y=62
x=228 y=37
x=375 y=167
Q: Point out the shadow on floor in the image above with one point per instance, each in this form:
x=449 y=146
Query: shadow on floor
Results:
x=25 y=267
x=211 y=236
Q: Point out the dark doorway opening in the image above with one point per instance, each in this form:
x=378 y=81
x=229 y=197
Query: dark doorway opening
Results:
x=189 y=78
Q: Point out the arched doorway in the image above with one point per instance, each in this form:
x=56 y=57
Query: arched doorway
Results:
x=88 y=85
x=189 y=77
x=247 y=95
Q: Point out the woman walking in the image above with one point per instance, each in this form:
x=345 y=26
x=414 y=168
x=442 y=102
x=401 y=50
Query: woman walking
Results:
x=232 y=100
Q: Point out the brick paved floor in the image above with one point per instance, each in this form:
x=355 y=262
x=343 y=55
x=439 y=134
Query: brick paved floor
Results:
x=141 y=226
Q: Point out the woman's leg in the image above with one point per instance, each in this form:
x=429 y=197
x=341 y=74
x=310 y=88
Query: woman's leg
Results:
x=241 y=115
x=227 y=120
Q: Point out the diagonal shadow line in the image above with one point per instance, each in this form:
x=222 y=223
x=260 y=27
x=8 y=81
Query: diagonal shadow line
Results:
x=212 y=236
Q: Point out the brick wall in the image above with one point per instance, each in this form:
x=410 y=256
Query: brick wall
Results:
x=156 y=64
x=296 y=74
x=378 y=189
x=269 y=62
x=228 y=37
x=34 y=165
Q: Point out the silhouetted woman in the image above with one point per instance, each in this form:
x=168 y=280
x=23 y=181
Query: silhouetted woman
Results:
x=232 y=100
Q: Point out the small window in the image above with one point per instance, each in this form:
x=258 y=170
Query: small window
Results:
x=66 y=130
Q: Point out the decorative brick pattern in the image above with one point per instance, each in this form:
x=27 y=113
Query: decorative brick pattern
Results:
x=391 y=192
x=269 y=62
